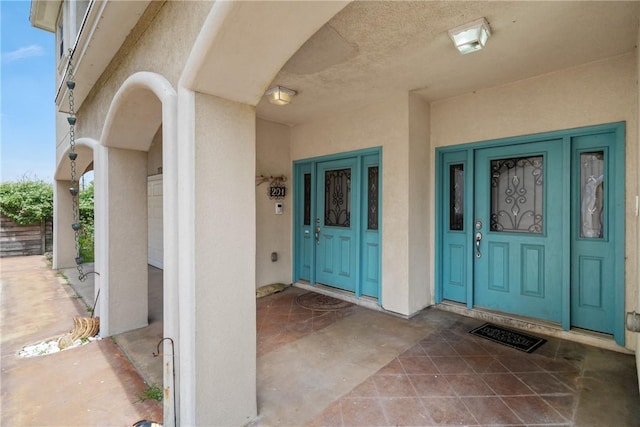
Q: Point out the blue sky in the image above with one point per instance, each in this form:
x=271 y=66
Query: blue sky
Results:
x=27 y=91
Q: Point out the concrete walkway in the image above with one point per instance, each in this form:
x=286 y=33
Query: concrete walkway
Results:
x=139 y=344
x=92 y=385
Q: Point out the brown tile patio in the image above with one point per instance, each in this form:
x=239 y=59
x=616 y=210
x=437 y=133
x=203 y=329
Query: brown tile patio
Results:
x=359 y=367
x=441 y=376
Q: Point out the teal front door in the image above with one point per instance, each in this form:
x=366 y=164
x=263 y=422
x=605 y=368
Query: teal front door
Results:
x=517 y=230
x=534 y=226
x=336 y=222
x=335 y=228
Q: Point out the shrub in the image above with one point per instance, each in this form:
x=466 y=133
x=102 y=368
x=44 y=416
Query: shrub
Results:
x=26 y=201
x=86 y=236
x=30 y=201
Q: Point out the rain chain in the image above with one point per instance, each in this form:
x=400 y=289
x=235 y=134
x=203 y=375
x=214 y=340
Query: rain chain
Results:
x=74 y=189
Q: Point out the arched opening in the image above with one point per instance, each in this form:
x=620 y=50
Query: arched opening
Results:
x=135 y=203
x=64 y=250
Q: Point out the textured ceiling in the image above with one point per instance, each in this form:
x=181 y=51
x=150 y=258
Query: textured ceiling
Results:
x=373 y=48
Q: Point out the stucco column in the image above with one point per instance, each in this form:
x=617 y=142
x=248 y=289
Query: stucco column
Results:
x=224 y=267
x=637 y=240
x=122 y=230
x=64 y=246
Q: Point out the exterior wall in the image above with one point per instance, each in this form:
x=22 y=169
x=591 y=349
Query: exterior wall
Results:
x=160 y=43
x=62 y=135
x=273 y=231
x=154 y=156
x=421 y=235
x=125 y=223
x=225 y=256
x=385 y=124
x=637 y=235
x=64 y=238
x=591 y=94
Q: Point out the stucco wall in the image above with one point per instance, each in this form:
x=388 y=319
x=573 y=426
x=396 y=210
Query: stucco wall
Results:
x=154 y=155
x=421 y=234
x=160 y=42
x=125 y=268
x=273 y=232
x=637 y=279
x=225 y=254
x=385 y=124
x=596 y=93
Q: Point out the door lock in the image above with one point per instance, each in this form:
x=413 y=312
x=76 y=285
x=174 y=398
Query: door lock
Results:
x=478 y=239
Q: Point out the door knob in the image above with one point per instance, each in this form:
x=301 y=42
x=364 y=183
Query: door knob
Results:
x=478 y=239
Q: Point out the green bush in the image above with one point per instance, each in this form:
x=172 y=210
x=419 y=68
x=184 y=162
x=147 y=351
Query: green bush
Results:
x=26 y=201
x=86 y=236
x=30 y=201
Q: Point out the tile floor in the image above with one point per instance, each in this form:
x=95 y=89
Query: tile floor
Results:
x=450 y=377
x=357 y=367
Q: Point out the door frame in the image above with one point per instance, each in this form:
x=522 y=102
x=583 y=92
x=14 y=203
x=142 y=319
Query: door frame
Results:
x=309 y=165
x=466 y=152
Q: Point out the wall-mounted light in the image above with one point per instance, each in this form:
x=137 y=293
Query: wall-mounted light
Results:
x=280 y=95
x=472 y=36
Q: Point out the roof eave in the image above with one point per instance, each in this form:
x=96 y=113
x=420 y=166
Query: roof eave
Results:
x=44 y=14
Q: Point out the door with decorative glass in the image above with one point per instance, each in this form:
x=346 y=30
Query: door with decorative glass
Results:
x=517 y=229
x=534 y=226
x=335 y=232
x=594 y=204
x=337 y=216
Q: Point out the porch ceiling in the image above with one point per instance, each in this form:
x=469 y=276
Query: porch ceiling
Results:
x=370 y=49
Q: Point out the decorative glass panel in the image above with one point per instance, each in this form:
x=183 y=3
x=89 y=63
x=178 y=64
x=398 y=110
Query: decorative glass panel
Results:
x=517 y=195
x=307 y=199
x=591 y=194
x=372 y=208
x=456 y=197
x=337 y=198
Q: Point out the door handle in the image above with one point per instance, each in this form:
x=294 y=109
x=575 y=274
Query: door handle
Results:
x=478 y=239
x=317 y=231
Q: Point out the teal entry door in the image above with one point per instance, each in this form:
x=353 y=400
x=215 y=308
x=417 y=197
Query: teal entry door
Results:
x=517 y=229
x=334 y=228
x=336 y=222
x=534 y=226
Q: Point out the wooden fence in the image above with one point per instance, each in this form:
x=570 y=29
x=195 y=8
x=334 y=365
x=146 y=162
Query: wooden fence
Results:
x=21 y=240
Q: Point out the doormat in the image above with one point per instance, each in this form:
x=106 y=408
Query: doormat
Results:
x=319 y=302
x=508 y=337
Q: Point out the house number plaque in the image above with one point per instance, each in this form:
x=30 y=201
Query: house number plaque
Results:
x=277 y=191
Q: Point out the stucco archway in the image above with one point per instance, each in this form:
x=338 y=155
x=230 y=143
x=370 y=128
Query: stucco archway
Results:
x=145 y=103
x=64 y=252
x=226 y=75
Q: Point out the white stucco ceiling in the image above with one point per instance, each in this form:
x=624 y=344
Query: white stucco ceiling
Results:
x=372 y=48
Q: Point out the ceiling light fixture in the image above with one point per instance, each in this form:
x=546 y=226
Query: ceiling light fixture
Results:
x=470 y=37
x=280 y=95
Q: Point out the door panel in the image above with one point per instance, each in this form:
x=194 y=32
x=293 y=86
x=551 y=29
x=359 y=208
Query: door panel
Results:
x=335 y=232
x=592 y=246
x=306 y=237
x=518 y=212
x=456 y=250
x=370 y=252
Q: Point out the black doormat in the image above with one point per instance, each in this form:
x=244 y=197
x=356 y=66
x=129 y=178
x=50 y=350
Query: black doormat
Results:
x=508 y=337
